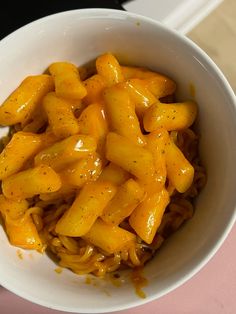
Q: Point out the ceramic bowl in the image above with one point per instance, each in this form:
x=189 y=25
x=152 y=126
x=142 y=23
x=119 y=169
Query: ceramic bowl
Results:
x=80 y=36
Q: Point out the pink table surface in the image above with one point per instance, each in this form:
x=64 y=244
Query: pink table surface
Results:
x=211 y=291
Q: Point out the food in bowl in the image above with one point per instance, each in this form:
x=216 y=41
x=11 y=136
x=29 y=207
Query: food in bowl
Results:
x=100 y=166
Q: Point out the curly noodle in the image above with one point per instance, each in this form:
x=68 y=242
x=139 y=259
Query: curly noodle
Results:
x=82 y=257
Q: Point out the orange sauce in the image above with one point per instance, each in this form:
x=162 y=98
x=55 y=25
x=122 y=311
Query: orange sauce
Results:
x=192 y=90
x=88 y=280
x=139 y=281
x=58 y=270
x=19 y=254
x=115 y=279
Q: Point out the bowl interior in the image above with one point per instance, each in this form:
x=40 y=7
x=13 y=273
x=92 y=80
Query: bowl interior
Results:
x=79 y=37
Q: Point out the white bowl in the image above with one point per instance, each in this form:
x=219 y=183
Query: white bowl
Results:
x=80 y=36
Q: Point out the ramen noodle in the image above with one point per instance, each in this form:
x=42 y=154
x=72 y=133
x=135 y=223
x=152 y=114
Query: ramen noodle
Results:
x=98 y=169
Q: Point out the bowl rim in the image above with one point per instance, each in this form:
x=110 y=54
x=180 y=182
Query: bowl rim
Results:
x=96 y=12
